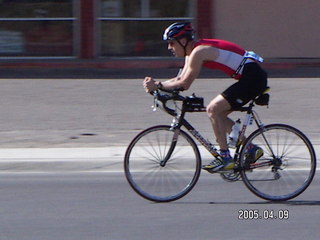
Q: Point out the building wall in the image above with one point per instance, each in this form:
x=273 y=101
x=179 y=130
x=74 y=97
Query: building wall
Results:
x=285 y=28
x=97 y=28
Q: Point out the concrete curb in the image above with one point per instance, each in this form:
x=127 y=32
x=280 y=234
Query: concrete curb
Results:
x=135 y=63
x=138 y=68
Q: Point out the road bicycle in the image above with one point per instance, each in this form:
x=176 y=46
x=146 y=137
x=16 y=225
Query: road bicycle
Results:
x=163 y=163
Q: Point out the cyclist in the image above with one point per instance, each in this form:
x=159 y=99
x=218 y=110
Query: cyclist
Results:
x=236 y=62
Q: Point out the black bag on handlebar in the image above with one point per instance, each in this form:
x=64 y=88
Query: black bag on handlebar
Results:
x=194 y=103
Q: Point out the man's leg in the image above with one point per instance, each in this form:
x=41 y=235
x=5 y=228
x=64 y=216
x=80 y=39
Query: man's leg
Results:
x=218 y=110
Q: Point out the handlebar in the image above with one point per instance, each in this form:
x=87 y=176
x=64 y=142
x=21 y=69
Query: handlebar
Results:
x=189 y=103
x=163 y=97
x=167 y=95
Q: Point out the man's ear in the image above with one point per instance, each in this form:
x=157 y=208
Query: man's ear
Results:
x=184 y=41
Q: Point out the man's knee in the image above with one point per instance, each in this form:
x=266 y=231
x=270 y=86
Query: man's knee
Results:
x=212 y=110
x=218 y=107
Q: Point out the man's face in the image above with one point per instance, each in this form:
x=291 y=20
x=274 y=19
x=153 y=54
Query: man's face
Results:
x=176 y=49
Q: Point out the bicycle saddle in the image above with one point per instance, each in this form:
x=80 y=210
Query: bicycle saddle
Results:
x=263 y=98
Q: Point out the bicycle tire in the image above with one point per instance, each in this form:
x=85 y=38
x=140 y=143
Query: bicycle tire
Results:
x=293 y=163
x=162 y=183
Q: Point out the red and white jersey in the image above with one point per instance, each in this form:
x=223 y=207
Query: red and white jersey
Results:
x=231 y=57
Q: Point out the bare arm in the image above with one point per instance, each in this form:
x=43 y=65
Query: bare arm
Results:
x=191 y=70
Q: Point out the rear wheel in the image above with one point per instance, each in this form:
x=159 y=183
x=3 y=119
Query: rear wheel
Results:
x=159 y=168
x=286 y=167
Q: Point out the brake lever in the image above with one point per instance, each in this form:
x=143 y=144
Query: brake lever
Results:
x=155 y=104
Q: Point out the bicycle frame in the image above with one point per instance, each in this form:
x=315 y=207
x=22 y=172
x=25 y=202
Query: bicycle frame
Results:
x=179 y=121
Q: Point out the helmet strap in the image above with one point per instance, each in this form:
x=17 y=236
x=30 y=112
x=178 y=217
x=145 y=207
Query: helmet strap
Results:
x=184 y=46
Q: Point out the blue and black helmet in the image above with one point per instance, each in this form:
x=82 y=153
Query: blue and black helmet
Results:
x=179 y=30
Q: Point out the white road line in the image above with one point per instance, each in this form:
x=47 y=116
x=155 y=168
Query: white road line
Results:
x=37 y=160
x=99 y=159
x=47 y=154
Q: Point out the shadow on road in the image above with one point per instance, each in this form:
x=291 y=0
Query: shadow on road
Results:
x=290 y=203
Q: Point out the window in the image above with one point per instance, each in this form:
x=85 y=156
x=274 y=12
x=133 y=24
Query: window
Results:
x=36 y=28
x=135 y=27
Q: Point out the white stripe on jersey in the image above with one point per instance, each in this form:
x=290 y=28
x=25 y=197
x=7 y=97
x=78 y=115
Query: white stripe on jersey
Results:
x=231 y=59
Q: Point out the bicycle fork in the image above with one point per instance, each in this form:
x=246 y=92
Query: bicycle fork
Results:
x=172 y=147
x=175 y=127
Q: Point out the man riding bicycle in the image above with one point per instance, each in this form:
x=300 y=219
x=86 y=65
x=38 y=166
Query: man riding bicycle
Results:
x=228 y=57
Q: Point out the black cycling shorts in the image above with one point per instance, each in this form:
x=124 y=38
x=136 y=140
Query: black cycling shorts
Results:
x=252 y=83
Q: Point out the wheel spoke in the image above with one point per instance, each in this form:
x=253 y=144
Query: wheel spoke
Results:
x=293 y=163
x=156 y=182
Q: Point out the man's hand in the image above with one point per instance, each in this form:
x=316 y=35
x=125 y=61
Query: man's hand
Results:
x=149 y=84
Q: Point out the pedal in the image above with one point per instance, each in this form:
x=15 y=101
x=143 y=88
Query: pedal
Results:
x=218 y=171
x=210 y=171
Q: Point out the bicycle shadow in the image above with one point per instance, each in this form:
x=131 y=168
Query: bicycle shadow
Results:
x=288 y=203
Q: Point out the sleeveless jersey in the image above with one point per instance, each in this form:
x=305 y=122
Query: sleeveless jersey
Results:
x=231 y=57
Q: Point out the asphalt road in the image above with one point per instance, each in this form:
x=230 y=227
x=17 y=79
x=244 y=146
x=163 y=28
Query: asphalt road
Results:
x=100 y=113
x=99 y=206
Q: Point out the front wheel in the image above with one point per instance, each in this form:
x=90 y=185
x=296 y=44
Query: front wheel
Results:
x=162 y=164
x=285 y=167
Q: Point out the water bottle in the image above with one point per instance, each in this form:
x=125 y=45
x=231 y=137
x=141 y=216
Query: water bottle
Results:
x=234 y=135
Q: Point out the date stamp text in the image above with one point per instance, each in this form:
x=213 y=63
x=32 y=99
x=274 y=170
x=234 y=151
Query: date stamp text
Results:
x=256 y=214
